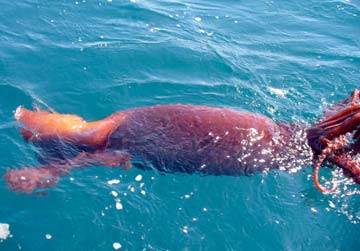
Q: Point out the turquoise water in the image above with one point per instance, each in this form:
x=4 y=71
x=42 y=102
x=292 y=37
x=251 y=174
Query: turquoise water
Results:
x=288 y=60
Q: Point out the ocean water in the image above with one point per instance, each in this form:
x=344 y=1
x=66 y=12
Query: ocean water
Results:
x=289 y=60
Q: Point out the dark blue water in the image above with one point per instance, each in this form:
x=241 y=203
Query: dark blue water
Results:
x=288 y=60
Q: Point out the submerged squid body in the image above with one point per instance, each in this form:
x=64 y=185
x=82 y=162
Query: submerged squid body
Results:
x=179 y=138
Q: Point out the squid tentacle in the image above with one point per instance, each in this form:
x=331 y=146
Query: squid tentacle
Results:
x=351 y=101
x=333 y=145
x=341 y=115
x=349 y=165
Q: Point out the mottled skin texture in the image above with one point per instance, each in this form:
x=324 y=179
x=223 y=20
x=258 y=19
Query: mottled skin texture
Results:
x=191 y=139
x=183 y=138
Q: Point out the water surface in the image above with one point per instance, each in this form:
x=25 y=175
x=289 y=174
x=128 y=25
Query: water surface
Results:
x=288 y=60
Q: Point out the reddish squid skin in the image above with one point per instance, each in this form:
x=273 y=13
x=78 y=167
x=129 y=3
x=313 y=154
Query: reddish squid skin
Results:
x=188 y=138
x=185 y=138
x=173 y=138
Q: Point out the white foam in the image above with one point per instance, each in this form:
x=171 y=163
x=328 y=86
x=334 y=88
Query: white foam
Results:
x=4 y=231
x=278 y=92
x=197 y=19
x=332 y=204
x=155 y=29
x=314 y=210
x=116 y=245
x=138 y=178
x=113 y=182
x=119 y=206
x=131 y=188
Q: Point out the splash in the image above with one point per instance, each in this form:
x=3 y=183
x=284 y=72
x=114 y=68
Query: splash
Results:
x=4 y=231
x=345 y=199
